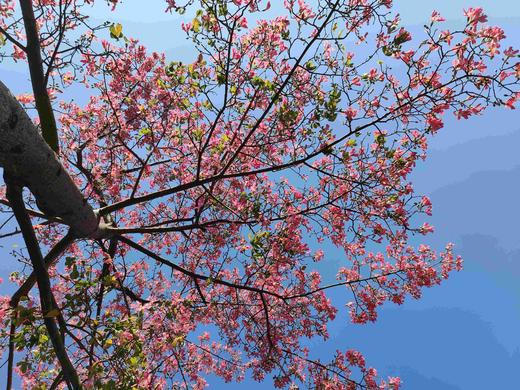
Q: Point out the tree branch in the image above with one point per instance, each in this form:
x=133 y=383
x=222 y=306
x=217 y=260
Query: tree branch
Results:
x=34 y=58
x=25 y=155
x=14 y=195
x=48 y=261
x=11 y=39
x=10 y=357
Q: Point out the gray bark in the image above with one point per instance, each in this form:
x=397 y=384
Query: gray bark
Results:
x=25 y=155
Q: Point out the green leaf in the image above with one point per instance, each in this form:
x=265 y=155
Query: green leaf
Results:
x=221 y=78
x=116 y=31
x=257 y=81
x=310 y=65
x=388 y=50
x=145 y=131
x=380 y=139
x=195 y=25
x=179 y=340
x=74 y=274
x=69 y=261
x=24 y=366
x=198 y=134
x=43 y=338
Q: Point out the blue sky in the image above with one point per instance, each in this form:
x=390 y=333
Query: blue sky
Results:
x=463 y=334
x=411 y=10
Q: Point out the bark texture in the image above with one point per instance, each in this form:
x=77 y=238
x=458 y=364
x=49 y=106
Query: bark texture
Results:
x=25 y=155
x=38 y=79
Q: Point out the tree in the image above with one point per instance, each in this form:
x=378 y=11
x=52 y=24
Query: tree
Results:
x=186 y=208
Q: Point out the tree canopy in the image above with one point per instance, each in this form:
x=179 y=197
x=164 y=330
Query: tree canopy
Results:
x=178 y=224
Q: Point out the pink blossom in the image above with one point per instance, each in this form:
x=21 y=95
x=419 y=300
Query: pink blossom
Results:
x=350 y=113
x=436 y=17
x=475 y=15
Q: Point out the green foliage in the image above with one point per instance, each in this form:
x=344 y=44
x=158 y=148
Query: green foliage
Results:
x=259 y=244
x=331 y=105
x=116 y=31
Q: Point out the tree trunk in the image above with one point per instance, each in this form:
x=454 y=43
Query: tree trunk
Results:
x=24 y=155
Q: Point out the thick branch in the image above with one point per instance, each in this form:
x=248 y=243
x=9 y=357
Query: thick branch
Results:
x=10 y=357
x=25 y=156
x=48 y=307
x=39 y=86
